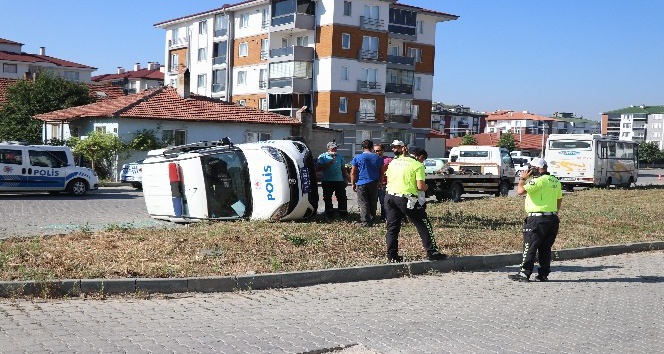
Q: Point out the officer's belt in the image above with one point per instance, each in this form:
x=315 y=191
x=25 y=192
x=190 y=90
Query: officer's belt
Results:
x=544 y=213
x=402 y=195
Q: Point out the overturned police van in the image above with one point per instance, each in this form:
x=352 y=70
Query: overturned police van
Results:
x=218 y=180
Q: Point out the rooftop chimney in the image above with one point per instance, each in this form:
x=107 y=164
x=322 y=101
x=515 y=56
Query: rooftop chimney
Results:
x=183 y=84
x=137 y=66
x=42 y=50
x=120 y=70
x=154 y=66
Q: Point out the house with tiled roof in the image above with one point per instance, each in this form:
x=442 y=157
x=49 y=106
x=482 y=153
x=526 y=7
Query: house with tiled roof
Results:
x=16 y=64
x=134 y=81
x=175 y=118
x=521 y=123
x=635 y=123
x=532 y=143
x=575 y=125
x=456 y=120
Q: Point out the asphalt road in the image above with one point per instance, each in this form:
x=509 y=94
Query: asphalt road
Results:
x=44 y=214
x=601 y=305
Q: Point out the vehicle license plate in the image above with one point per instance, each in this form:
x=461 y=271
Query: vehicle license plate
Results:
x=306 y=181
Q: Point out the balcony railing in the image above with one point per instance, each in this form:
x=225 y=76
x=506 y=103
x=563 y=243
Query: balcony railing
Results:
x=396 y=59
x=220 y=32
x=368 y=86
x=264 y=54
x=278 y=52
x=361 y=117
x=638 y=127
x=367 y=54
x=294 y=20
x=262 y=84
x=398 y=88
x=178 y=42
x=296 y=53
x=219 y=60
x=400 y=29
x=265 y=24
x=371 y=23
x=218 y=87
x=397 y=118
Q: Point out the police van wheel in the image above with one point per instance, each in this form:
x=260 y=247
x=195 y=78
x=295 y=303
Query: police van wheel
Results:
x=77 y=187
x=503 y=189
x=457 y=191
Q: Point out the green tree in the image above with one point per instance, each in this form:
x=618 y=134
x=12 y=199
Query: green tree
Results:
x=649 y=152
x=507 y=141
x=469 y=140
x=27 y=98
x=145 y=140
x=101 y=149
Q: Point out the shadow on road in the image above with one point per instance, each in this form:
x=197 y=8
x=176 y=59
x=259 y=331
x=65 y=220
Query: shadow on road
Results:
x=101 y=194
x=638 y=279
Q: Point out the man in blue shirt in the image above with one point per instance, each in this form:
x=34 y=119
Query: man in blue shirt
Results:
x=334 y=180
x=366 y=173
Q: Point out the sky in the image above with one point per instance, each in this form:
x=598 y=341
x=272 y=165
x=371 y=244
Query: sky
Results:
x=578 y=56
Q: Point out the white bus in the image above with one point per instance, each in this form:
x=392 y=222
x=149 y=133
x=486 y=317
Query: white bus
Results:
x=591 y=160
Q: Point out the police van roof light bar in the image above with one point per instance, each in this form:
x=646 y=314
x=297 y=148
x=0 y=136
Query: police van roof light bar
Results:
x=197 y=146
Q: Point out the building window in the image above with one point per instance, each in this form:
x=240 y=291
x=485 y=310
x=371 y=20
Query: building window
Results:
x=262 y=103
x=625 y=135
x=418 y=83
x=202 y=80
x=367 y=109
x=242 y=77
x=415 y=111
x=244 y=20
x=344 y=73
x=244 y=49
x=70 y=75
x=10 y=68
x=370 y=76
x=265 y=18
x=242 y=102
x=202 y=27
x=265 y=49
x=254 y=137
x=173 y=67
x=369 y=47
x=100 y=129
x=202 y=54
x=174 y=136
x=415 y=53
x=347 y=8
x=343 y=105
x=345 y=41
x=302 y=41
x=420 y=26
x=627 y=125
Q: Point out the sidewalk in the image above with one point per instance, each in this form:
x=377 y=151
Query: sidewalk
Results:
x=74 y=287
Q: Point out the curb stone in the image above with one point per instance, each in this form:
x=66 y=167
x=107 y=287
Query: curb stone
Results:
x=299 y=279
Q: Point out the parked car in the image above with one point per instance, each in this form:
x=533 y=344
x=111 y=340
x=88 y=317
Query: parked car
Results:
x=132 y=173
x=521 y=164
x=434 y=164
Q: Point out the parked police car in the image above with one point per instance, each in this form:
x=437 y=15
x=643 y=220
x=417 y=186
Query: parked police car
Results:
x=218 y=180
x=27 y=168
x=132 y=173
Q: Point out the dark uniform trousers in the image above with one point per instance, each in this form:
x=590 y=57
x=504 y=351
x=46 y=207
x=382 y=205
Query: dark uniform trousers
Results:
x=395 y=209
x=539 y=234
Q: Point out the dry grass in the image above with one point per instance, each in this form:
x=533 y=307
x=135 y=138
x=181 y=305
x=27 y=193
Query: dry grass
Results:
x=480 y=226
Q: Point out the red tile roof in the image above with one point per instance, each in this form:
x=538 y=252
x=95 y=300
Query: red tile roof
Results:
x=523 y=141
x=154 y=74
x=98 y=91
x=164 y=103
x=511 y=115
x=7 y=41
x=36 y=58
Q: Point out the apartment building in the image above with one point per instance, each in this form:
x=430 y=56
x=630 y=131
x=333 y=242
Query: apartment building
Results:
x=456 y=120
x=575 y=125
x=636 y=123
x=16 y=64
x=522 y=123
x=134 y=81
x=363 y=67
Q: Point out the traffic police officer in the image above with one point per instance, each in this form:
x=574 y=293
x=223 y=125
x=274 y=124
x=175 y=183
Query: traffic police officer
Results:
x=405 y=177
x=543 y=199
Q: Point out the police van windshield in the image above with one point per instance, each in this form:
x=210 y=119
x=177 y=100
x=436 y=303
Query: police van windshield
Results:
x=227 y=184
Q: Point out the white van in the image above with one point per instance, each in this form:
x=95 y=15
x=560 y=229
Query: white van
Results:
x=482 y=160
x=27 y=168
x=217 y=180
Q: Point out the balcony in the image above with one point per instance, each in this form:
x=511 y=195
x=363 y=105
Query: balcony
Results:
x=293 y=21
x=178 y=42
x=292 y=53
x=218 y=88
x=399 y=88
x=265 y=54
x=289 y=85
x=371 y=23
x=638 y=127
x=368 y=86
x=220 y=32
x=397 y=118
x=367 y=54
x=219 y=60
x=399 y=62
x=401 y=32
x=262 y=84
x=365 y=117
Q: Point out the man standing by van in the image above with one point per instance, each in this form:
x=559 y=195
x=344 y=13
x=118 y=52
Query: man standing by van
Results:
x=543 y=199
x=405 y=178
x=334 y=180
